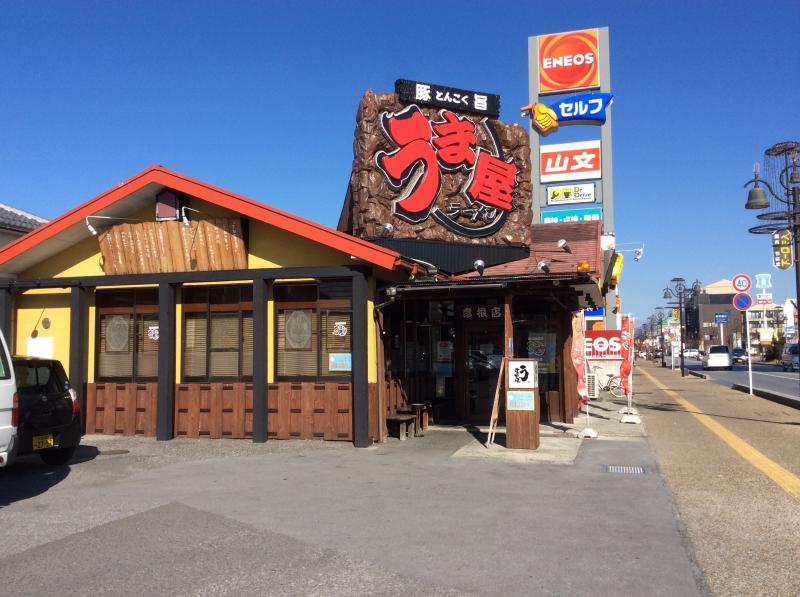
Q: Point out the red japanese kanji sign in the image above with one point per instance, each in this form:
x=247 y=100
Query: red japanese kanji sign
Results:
x=570 y=161
x=426 y=150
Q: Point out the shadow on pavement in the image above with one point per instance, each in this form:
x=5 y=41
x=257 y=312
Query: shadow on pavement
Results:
x=667 y=407
x=29 y=476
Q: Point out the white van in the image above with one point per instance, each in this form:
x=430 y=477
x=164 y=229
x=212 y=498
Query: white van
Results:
x=9 y=406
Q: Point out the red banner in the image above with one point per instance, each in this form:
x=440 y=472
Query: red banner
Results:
x=627 y=353
x=578 y=354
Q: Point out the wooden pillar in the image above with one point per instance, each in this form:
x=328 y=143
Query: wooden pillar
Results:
x=361 y=437
x=381 y=389
x=260 y=294
x=522 y=426
x=78 y=316
x=165 y=411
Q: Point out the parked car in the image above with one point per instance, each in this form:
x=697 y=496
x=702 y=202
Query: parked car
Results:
x=740 y=356
x=8 y=406
x=691 y=353
x=49 y=411
x=718 y=357
x=790 y=356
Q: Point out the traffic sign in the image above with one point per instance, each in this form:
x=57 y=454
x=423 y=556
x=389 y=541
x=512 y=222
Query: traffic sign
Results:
x=742 y=301
x=721 y=317
x=741 y=283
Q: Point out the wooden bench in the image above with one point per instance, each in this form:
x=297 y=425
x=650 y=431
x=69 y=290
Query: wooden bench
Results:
x=406 y=424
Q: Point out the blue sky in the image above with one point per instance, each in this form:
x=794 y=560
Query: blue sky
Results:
x=260 y=98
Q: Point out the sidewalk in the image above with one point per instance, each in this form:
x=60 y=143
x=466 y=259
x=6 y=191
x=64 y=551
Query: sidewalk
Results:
x=741 y=523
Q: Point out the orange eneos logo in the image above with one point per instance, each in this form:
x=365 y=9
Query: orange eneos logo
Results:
x=568 y=61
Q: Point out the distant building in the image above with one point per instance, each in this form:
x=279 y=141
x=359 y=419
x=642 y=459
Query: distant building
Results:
x=702 y=329
x=15 y=222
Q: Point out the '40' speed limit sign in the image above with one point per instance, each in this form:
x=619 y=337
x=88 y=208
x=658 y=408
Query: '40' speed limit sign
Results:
x=741 y=283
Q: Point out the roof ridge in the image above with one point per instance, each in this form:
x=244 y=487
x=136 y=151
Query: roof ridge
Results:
x=22 y=212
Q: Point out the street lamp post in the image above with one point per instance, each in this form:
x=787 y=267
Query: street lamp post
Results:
x=788 y=178
x=661 y=342
x=679 y=291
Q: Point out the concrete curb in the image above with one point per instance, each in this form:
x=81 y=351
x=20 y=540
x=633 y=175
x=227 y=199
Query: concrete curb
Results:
x=772 y=396
x=698 y=374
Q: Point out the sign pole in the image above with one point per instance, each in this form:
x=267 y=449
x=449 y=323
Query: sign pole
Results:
x=747 y=349
x=722 y=333
x=587 y=432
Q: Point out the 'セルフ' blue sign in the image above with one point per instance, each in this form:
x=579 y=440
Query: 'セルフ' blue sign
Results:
x=586 y=108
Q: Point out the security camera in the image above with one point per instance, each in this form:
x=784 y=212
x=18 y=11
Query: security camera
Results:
x=563 y=244
x=479 y=266
x=543 y=266
x=387 y=229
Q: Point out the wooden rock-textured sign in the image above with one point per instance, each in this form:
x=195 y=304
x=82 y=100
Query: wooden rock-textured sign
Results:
x=155 y=247
x=438 y=174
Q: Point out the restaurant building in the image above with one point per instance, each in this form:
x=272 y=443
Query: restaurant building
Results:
x=180 y=309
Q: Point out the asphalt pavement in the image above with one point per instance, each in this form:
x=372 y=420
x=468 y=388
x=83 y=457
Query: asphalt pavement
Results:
x=768 y=377
x=422 y=517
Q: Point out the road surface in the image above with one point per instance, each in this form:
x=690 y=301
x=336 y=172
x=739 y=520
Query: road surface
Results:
x=770 y=378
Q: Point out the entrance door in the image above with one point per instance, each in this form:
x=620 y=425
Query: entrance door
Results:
x=484 y=355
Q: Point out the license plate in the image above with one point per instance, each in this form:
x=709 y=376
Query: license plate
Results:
x=41 y=442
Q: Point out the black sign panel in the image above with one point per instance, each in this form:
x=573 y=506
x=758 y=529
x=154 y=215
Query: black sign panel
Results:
x=439 y=96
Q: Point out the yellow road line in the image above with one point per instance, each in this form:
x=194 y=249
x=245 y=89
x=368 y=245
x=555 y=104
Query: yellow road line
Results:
x=783 y=478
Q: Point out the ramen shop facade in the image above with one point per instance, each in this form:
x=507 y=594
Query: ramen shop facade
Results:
x=182 y=310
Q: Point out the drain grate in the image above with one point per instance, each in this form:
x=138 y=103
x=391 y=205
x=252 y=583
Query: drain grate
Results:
x=625 y=469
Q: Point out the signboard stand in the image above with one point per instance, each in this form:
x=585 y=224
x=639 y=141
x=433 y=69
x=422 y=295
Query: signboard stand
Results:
x=522 y=404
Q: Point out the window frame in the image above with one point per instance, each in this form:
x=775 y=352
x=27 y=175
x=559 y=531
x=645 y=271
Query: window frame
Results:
x=337 y=305
x=135 y=310
x=241 y=308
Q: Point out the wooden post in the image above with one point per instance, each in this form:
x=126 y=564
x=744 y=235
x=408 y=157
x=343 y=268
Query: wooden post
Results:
x=361 y=437
x=522 y=426
x=78 y=317
x=260 y=294
x=165 y=409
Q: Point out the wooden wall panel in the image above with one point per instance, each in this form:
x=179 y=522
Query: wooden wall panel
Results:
x=218 y=410
x=154 y=247
x=214 y=410
x=126 y=409
x=309 y=410
x=376 y=417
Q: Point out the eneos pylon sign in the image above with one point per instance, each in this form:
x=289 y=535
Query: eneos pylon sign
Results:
x=568 y=61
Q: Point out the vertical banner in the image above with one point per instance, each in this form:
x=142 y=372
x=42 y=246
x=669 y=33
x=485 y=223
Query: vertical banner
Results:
x=578 y=354
x=627 y=349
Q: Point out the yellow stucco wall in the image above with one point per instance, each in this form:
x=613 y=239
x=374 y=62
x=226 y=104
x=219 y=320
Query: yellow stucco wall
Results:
x=372 y=349
x=32 y=307
x=274 y=247
x=81 y=259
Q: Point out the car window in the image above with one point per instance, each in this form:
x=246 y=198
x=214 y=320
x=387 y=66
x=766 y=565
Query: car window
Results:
x=718 y=349
x=5 y=370
x=47 y=378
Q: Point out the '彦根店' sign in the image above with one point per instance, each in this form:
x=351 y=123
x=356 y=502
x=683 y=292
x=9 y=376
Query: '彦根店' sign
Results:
x=433 y=162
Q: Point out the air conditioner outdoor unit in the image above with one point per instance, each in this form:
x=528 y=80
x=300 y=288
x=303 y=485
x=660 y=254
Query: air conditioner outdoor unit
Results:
x=591 y=385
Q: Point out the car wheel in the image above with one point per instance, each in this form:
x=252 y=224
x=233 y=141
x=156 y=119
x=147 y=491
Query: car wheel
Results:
x=57 y=457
